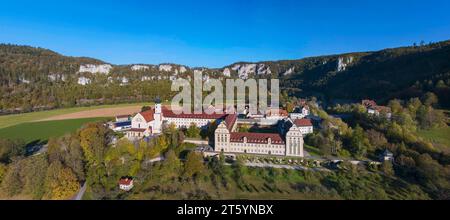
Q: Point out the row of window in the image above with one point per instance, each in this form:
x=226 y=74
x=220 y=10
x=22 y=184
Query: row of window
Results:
x=259 y=145
x=183 y=123
x=223 y=138
x=294 y=146
x=134 y=134
x=257 y=151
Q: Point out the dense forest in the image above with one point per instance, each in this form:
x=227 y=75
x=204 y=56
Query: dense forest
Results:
x=393 y=73
x=35 y=79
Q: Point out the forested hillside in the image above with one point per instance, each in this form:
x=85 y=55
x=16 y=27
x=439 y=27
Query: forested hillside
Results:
x=392 y=73
x=35 y=78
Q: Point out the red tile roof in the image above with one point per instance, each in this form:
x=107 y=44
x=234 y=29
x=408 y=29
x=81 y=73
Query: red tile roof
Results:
x=125 y=181
x=230 y=120
x=148 y=115
x=170 y=114
x=303 y=122
x=281 y=112
x=256 y=137
x=373 y=105
x=368 y=103
x=380 y=108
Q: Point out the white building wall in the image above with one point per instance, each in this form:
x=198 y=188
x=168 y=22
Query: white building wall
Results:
x=157 y=124
x=255 y=148
x=138 y=121
x=306 y=130
x=223 y=143
x=126 y=187
x=186 y=122
x=305 y=111
x=294 y=142
x=222 y=138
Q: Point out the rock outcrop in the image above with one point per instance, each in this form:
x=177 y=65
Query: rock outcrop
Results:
x=92 y=68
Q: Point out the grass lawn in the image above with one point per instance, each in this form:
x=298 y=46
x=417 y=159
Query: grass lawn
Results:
x=11 y=120
x=41 y=131
x=312 y=150
x=440 y=136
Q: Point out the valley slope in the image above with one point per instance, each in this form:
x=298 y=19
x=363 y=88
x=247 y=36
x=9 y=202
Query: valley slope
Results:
x=35 y=79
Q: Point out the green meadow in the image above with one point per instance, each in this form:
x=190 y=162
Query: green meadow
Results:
x=15 y=119
x=42 y=131
x=439 y=136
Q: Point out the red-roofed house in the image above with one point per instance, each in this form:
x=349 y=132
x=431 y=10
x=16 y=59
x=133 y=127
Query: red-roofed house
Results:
x=126 y=183
x=305 y=125
x=374 y=109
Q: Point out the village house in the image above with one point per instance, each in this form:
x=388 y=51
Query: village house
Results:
x=126 y=183
x=387 y=156
x=377 y=110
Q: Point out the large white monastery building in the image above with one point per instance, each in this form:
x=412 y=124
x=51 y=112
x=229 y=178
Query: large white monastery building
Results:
x=288 y=142
x=151 y=122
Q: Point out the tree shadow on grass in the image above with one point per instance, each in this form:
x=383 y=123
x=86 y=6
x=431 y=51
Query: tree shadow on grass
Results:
x=34 y=147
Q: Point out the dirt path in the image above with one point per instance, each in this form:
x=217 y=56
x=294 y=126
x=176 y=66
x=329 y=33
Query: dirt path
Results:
x=97 y=113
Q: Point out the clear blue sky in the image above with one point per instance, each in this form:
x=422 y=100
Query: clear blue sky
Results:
x=214 y=33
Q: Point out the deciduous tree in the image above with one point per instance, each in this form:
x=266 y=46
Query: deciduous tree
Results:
x=193 y=165
x=60 y=183
x=33 y=174
x=12 y=183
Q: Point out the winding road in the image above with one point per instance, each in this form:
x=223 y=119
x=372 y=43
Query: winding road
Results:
x=81 y=192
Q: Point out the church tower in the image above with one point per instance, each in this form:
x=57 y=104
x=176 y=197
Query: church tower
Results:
x=158 y=116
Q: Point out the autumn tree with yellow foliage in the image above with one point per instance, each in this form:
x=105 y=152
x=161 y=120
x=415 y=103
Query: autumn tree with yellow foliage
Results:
x=61 y=183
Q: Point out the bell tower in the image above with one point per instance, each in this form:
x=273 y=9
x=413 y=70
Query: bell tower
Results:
x=158 y=107
x=158 y=116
